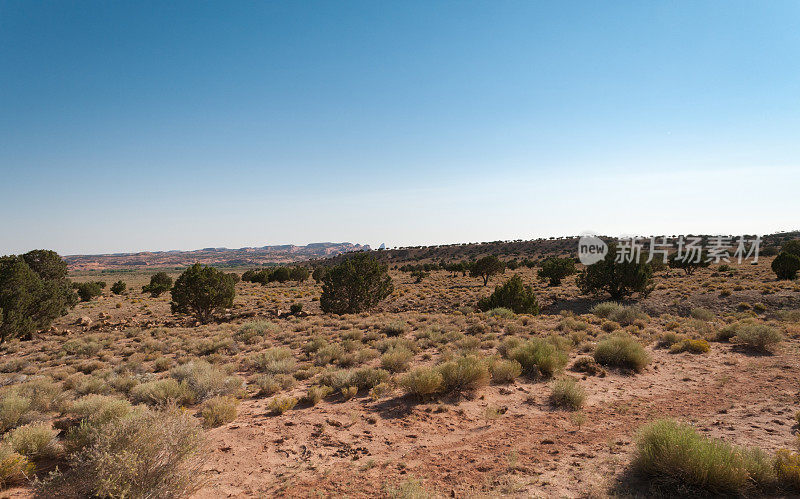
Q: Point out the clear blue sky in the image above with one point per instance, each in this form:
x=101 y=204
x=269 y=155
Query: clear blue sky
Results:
x=130 y=126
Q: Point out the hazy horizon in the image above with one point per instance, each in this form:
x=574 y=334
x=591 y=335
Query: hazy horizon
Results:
x=152 y=127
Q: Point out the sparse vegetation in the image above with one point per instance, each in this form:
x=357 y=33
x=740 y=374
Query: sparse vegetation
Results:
x=114 y=358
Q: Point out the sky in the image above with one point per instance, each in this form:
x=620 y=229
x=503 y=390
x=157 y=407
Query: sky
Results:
x=132 y=126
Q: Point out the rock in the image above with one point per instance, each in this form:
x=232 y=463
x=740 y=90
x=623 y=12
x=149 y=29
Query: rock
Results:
x=84 y=321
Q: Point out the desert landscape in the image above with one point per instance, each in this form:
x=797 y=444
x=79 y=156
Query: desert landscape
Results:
x=423 y=395
x=401 y=250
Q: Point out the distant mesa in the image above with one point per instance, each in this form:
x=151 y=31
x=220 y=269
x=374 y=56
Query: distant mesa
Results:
x=280 y=254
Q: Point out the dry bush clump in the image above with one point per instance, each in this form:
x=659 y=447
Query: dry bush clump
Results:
x=539 y=357
x=218 y=411
x=14 y=467
x=161 y=392
x=680 y=460
x=147 y=453
x=568 y=394
x=422 y=382
x=34 y=441
x=279 y=405
x=757 y=337
x=397 y=359
x=204 y=380
x=505 y=371
x=690 y=345
x=464 y=374
x=622 y=350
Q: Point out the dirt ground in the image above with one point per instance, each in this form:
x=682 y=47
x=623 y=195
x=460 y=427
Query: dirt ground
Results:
x=500 y=440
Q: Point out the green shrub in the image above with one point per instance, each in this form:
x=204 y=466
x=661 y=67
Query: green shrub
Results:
x=267 y=385
x=28 y=302
x=567 y=394
x=14 y=467
x=621 y=350
x=47 y=264
x=160 y=283
x=319 y=274
x=217 y=411
x=486 y=267
x=43 y=393
x=618 y=279
x=464 y=374
x=539 y=357
x=146 y=454
x=505 y=371
x=792 y=247
x=422 y=382
x=556 y=269
x=295 y=308
x=682 y=460
x=34 y=441
x=89 y=290
x=118 y=287
x=356 y=285
x=513 y=295
x=202 y=291
x=298 y=274
x=786 y=266
x=279 y=274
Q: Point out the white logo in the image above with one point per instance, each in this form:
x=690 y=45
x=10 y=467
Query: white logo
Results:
x=591 y=249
